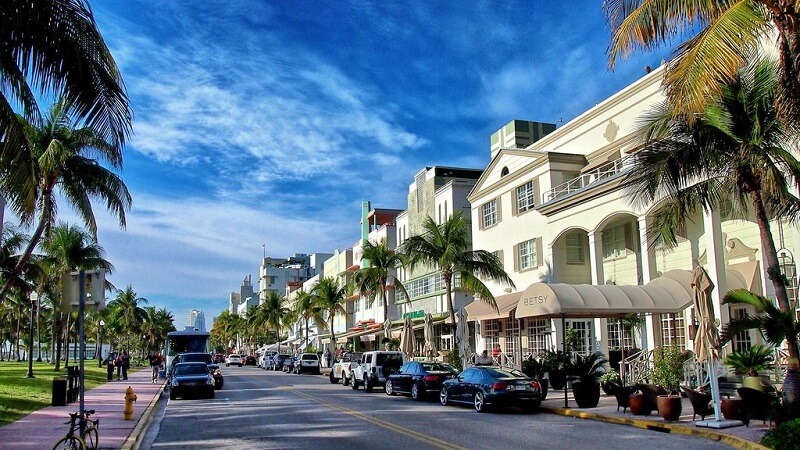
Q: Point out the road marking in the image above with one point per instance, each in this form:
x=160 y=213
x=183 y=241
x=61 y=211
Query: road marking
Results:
x=389 y=426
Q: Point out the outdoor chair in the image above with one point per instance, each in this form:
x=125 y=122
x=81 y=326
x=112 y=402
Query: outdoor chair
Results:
x=622 y=393
x=651 y=393
x=701 y=402
x=757 y=405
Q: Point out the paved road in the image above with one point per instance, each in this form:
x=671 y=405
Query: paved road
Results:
x=273 y=410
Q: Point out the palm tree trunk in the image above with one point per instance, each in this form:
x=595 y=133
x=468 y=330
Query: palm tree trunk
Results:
x=333 y=335
x=66 y=342
x=16 y=339
x=59 y=320
x=789 y=51
x=306 y=332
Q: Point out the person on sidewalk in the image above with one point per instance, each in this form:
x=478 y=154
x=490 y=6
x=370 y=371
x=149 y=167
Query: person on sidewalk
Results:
x=118 y=365
x=110 y=366
x=155 y=365
x=484 y=359
x=126 y=364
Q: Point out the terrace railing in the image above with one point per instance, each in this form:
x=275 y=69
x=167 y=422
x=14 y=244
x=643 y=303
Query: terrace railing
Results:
x=584 y=180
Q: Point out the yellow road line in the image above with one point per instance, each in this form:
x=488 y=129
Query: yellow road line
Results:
x=389 y=426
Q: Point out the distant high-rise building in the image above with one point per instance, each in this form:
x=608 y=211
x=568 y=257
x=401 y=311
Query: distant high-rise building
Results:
x=196 y=320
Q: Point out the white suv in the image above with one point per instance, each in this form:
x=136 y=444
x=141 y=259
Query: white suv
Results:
x=307 y=362
x=234 y=359
x=374 y=369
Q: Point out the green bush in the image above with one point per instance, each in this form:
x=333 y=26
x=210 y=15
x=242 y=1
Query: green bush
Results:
x=785 y=436
x=611 y=377
x=668 y=368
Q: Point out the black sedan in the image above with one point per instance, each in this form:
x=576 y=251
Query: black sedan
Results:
x=216 y=372
x=191 y=379
x=419 y=378
x=277 y=362
x=484 y=386
x=250 y=360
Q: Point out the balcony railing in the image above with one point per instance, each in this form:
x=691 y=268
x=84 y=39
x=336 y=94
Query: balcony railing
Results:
x=602 y=172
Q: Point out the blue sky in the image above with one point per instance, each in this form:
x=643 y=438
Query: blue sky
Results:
x=269 y=122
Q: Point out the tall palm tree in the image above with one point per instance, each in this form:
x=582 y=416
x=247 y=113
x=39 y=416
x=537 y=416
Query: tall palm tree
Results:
x=127 y=312
x=157 y=323
x=730 y=33
x=331 y=296
x=223 y=329
x=54 y=48
x=733 y=152
x=273 y=311
x=60 y=155
x=372 y=278
x=306 y=308
x=447 y=247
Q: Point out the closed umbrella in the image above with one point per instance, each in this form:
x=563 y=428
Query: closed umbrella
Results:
x=706 y=340
x=407 y=340
x=462 y=337
x=430 y=343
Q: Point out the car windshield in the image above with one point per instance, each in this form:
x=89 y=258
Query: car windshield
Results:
x=437 y=367
x=196 y=357
x=505 y=373
x=191 y=369
x=309 y=357
x=390 y=360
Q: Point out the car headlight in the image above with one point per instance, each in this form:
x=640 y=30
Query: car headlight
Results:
x=174 y=382
x=210 y=381
x=218 y=372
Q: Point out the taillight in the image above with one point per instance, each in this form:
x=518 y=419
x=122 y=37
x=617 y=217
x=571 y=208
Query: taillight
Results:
x=431 y=378
x=499 y=386
x=536 y=386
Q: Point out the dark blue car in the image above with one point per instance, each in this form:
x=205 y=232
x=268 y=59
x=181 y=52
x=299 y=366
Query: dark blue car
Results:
x=419 y=378
x=488 y=386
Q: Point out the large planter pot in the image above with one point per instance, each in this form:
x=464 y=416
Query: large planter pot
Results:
x=607 y=388
x=757 y=383
x=638 y=404
x=587 y=393
x=669 y=407
x=558 y=378
x=733 y=409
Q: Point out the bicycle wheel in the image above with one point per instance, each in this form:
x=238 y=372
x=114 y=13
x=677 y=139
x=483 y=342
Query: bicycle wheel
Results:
x=90 y=438
x=70 y=443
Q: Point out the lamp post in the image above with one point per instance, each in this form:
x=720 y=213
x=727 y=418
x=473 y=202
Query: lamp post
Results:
x=100 y=325
x=34 y=296
x=39 y=328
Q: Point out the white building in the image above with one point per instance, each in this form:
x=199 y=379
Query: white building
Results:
x=196 y=320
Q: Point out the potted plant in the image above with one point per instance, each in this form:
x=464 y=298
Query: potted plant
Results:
x=612 y=376
x=534 y=368
x=555 y=367
x=750 y=362
x=668 y=374
x=587 y=370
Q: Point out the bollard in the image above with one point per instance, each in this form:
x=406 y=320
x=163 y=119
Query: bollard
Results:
x=130 y=397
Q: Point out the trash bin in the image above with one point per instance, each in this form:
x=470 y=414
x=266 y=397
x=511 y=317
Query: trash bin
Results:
x=59 y=392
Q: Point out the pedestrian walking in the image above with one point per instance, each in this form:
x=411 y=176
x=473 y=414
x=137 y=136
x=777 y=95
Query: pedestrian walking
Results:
x=126 y=364
x=118 y=366
x=155 y=364
x=110 y=365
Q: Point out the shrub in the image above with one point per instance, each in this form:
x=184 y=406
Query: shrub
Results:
x=611 y=377
x=668 y=368
x=785 y=436
x=750 y=361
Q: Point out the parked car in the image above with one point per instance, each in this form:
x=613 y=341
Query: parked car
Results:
x=374 y=368
x=277 y=361
x=265 y=359
x=419 y=379
x=249 y=360
x=341 y=369
x=219 y=358
x=206 y=358
x=233 y=359
x=484 y=386
x=308 y=362
x=191 y=379
x=288 y=364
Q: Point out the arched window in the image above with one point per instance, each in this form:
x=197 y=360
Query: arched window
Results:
x=504 y=172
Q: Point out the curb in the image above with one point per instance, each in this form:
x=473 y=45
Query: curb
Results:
x=135 y=438
x=664 y=427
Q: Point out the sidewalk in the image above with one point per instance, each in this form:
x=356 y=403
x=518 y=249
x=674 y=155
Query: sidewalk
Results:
x=43 y=428
x=606 y=411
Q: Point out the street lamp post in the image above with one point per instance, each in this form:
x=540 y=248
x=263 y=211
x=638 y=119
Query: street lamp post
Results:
x=39 y=328
x=100 y=343
x=34 y=296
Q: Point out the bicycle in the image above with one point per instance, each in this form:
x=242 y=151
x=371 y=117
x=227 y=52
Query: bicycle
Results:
x=90 y=438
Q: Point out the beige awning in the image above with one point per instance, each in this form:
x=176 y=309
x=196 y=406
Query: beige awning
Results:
x=669 y=293
x=478 y=310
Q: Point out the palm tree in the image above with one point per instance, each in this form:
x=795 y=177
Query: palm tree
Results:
x=157 y=323
x=125 y=310
x=730 y=34
x=732 y=152
x=273 y=312
x=54 y=48
x=306 y=308
x=447 y=248
x=379 y=262
x=58 y=154
x=331 y=296
x=223 y=329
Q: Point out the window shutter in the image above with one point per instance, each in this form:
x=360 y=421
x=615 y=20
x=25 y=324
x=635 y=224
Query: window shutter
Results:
x=515 y=201
x=539 y=259
x=497 y=203
x=500 y=257
x=480 y=216
x=516 y=258
x=537 y=198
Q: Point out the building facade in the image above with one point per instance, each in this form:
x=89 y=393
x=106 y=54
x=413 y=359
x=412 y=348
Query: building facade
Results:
x=196 y=320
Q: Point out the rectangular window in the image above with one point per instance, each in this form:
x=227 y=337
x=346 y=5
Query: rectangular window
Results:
x=619 y=338
x=539 y=336
x=489 y=213
x=526 y=254
x=356 y=305
x=499 y=255
x=673 y=330
x=741 y=340
x=614 y=242
x=526 y=197
x=575 y=254
x=585 y=331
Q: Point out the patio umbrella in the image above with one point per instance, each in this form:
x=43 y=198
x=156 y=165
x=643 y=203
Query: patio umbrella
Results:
x=430 y=343
x=706 y=339
x=407 y=340
x=462 y=337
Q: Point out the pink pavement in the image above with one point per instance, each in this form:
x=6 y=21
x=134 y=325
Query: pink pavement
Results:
x=43 y=428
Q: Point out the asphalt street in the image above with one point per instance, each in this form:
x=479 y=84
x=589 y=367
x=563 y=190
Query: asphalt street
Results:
x=272 y=410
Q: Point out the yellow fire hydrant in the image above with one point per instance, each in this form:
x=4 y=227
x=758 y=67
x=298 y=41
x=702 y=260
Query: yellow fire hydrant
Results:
x=130 y=397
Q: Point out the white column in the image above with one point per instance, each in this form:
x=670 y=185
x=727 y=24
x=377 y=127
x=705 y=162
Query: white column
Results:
x=715 y=262
x=596 y=257
x=649 y=271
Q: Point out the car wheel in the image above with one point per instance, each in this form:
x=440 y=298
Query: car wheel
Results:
x=368 y=385
x=354 y=384
x=333 y=379
x=389 y=388
x=345 y=381
x=443 y=397
x=415 y=393
x=480 y=402
x=227 y=365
